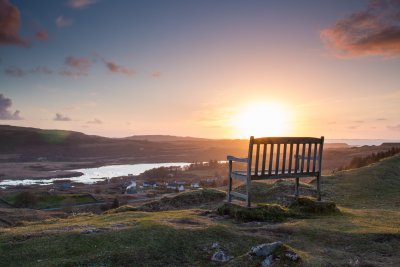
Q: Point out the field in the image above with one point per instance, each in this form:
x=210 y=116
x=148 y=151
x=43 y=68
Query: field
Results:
x=366 y=231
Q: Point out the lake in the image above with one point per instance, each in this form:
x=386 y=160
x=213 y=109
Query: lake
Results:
x=93 y=175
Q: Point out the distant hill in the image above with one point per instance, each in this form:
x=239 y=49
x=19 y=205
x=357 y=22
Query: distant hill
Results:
x=165 y=138
x=19 y=144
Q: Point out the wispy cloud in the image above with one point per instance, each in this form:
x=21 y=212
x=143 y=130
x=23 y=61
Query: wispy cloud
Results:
x=42 y=35
x=113 y=67
x=81 y=63
x=156 y=74
x=373 y=31
x=61 y=21
x=41 y=70
x=10 y=21
x=79 y=4
x=69 y=73
x=95 y=121
x=394 y=127
x=16 y=72
x=60 y=117
x=5 y=114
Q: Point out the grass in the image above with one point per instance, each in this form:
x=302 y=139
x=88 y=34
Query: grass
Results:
x=46 y=200
x=149 y=239
x=365 y=233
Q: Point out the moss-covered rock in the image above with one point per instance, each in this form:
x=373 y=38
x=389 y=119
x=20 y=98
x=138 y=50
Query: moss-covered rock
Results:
x=312 y=206
x=263 y=212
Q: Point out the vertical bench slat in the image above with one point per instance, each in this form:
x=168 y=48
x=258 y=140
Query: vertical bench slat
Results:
x=284 y=158
x=264 y=159
x=309 y=157
x=296 y=166
x=303 y=151
x=271 y=155
x=290 y=158
x=315 y=157
x=278 y=155
x=257 y=159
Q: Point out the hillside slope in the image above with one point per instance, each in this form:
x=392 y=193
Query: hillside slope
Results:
x=365 y=233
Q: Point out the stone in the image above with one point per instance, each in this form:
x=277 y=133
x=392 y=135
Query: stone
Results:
x=221 y=256
x=215 y=245
x=267 y=261
x=265 y=249
x=292 y=256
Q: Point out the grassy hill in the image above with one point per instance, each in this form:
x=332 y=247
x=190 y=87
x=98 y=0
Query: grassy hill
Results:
x=365 y=233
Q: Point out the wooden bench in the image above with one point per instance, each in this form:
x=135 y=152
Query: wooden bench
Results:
x=276 y=158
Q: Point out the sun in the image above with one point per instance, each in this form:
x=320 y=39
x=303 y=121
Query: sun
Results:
x=261 y=120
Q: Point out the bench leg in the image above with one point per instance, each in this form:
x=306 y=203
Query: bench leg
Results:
x=319 y=187
x=230 y=182
x=248 y=187
x=296 y=192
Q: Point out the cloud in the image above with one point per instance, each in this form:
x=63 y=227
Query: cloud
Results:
x=41 y=70
x=60 y=117
x=156 y=74
x=42 y=35
x=69 y=73
x=80 y=4
x=16 y=72
x=394 y=128
x=61 y=21
x=353 y=127
x=359 y=121
x=5 y=114
x=95 y=121
x=113 y=67
x=373 y=31
x=83 y=64
x=10 y=22
x=381 y=119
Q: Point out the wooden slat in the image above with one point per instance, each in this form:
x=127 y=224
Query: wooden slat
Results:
x=239 y=195
x=278 y=155
x=315 y=157
x=286 y=140
x=264 y=159
x=296 y=165
x=257 y=159
x=303 y=150
x=271 y=156
x=290 y=158
x=284 y=158
x=309 y=158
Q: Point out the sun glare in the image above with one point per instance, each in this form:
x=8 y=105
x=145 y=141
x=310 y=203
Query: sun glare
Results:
x=262 y=119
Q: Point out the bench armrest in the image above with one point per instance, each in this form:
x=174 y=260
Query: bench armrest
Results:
x=232 y=158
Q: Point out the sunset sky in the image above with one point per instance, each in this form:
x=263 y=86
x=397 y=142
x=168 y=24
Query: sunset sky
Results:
x=202 y=68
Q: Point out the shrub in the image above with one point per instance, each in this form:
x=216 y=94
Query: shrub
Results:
x=25 y=199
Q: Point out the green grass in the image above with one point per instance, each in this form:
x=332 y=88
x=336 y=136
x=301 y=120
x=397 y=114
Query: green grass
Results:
x=46 y=200
x=149 y=239
x=373 y=186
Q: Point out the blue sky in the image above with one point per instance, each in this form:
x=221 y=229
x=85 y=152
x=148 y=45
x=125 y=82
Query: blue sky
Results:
x=118 y=68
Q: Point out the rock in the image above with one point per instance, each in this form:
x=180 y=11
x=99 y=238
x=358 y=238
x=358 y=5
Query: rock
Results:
x=267 y=262
x=265 y=249
x=291 y=256
x=220 y=256
x=215 y=245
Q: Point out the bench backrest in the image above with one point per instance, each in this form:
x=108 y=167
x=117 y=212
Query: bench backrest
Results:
x=275 y=157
